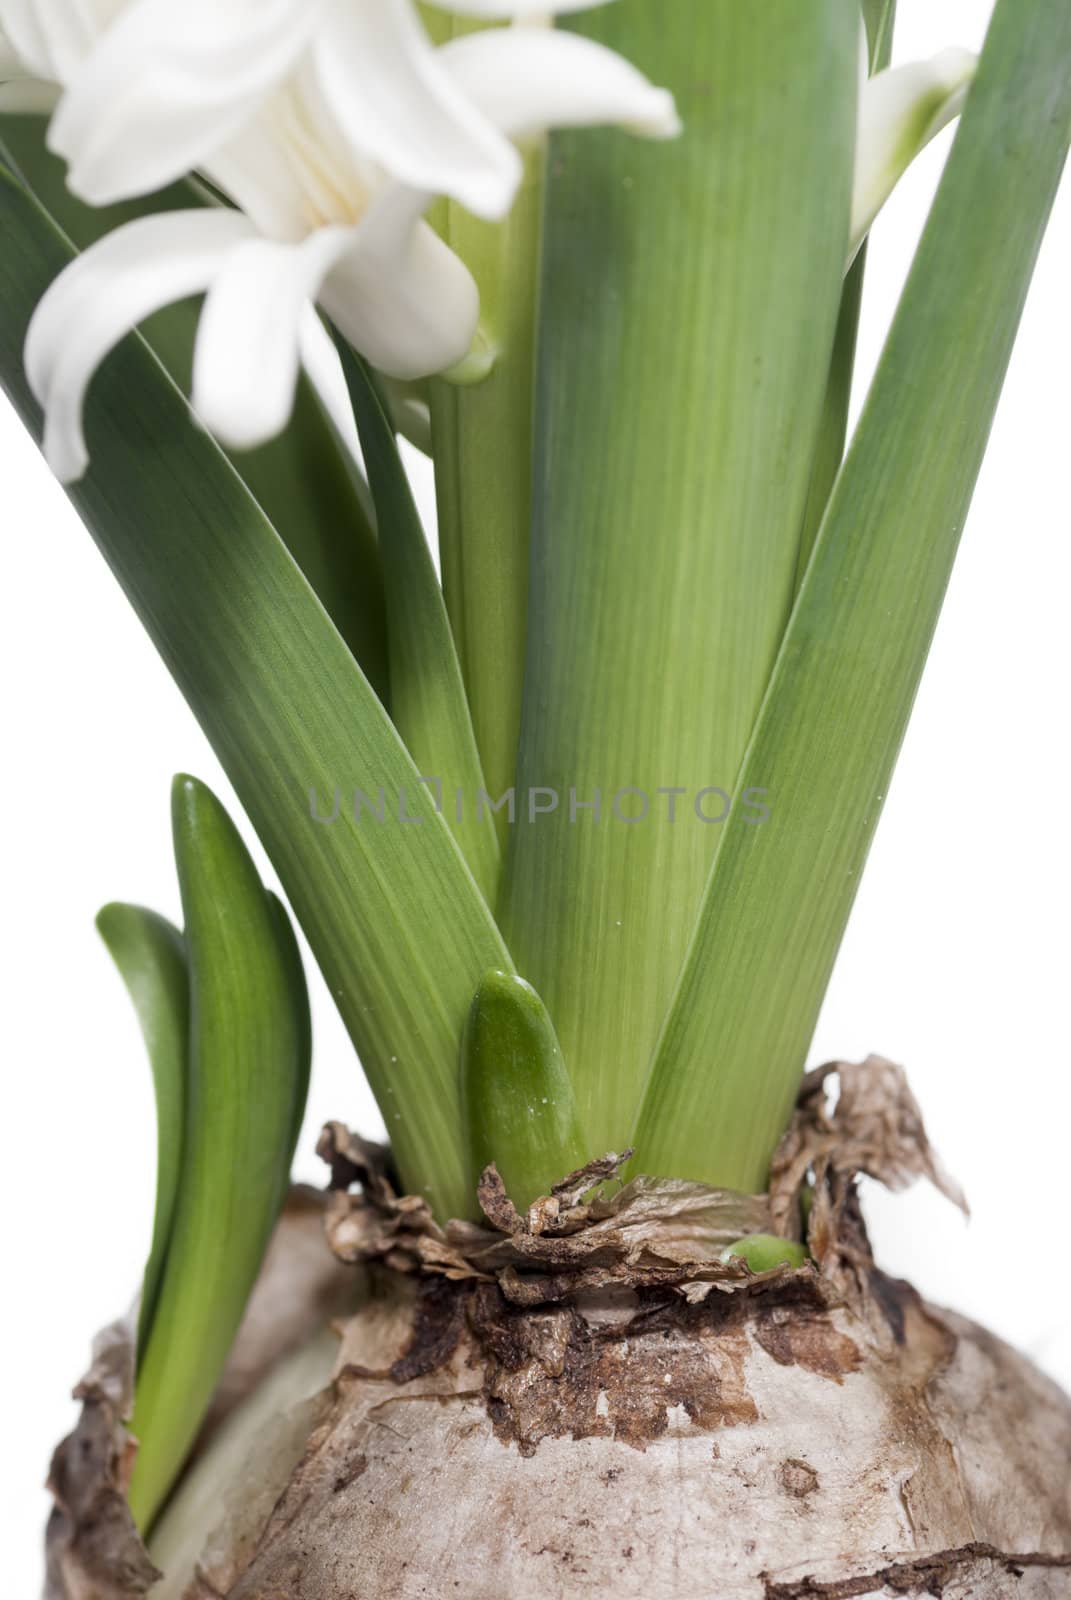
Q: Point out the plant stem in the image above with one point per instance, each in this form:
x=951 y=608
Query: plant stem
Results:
x=880 y=17
x=483 y=474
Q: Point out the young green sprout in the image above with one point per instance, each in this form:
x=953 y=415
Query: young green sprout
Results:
x=765 y=1251
x=151 y=956
x=516 y=1099
x=230 y=1053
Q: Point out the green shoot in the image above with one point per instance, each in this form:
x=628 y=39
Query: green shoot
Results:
x=765 y=1251
x=516 y=1096
x=151 y=957
x=247 y=1073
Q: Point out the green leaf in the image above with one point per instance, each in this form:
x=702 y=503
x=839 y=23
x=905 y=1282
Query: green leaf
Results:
x=246 y=1077
x=390 y=910
x=428 y=704
x=483 y=472
x=825 y=746
x=689 y=299
x=829 y=452
x=151 y=956
x=516 y=1096
x=304 y=480
x=880 y=19
x=290 y=958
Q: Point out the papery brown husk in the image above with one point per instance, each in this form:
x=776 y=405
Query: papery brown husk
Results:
x=585 y=1401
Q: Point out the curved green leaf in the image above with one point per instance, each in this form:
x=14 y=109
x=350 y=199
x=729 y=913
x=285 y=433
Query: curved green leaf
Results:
x=305 y=480
x=247 y=1074
x=151 y=956
x=389 y=907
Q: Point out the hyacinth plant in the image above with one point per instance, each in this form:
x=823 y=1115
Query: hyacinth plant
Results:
x=573 y=835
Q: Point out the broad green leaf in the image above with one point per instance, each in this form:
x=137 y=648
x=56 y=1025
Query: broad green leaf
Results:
x=688 y=305
x=516 y=1097
x=304 y=480
x=151 y=957
x=246 y=1081
x=389 y=907
x=779 y=897
x=483 y=473
x=428 y=705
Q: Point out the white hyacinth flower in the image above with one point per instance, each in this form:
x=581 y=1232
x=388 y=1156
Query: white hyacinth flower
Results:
x=331 y=168
x=151 y=88
x=331 y=125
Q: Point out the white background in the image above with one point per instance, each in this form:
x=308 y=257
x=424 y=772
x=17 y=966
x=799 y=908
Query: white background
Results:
x=955 y=963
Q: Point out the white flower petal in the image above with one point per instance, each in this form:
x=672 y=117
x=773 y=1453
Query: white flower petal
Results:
x=254 y=170
x=397 y=105
x=528 y=80
x=900 y=111
x=168 y=83
x=290 y=168
x=492 y=9
x=51 y=37
x=248 y=351
x=100 y=297
x=400 y=295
